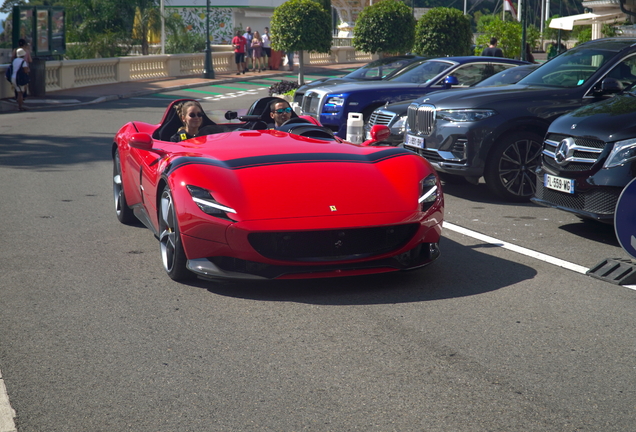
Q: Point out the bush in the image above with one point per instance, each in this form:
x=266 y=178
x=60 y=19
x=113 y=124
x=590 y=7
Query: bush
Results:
x=443 y=32
x=387 y=26
x=283 y=87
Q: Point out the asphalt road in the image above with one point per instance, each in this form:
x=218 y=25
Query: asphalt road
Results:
x=95 y=337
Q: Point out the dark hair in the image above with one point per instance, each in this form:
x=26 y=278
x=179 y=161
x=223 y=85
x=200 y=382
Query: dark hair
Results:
x=22 y=42
x=275 y=102
x=493 y=41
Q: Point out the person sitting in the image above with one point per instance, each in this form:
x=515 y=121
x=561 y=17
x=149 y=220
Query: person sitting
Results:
x=280 y=112
x=192 y=116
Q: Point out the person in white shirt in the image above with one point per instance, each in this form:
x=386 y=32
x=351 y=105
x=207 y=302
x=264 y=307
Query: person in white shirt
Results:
x=20 y=90
x=267 y=47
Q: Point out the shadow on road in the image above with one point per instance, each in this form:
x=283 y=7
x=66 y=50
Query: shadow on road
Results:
x=592 y=230
x=459 y=272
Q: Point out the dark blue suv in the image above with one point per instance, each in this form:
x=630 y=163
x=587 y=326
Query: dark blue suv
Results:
x=331 y=105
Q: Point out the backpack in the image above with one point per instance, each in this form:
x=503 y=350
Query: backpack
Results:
x=22 y=78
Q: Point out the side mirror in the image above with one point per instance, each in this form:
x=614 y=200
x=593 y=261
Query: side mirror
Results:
x=450 y=81
x=611 y=86
x=378 y=133
x=141 y=141
x=231 y=115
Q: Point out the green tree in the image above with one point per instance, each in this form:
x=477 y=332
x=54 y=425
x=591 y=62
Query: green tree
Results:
x=301 y=25
x=443 y=32
x=387 y=26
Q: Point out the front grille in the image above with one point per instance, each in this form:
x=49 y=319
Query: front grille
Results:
x=598 y=200
x=583 y=155
x=421 y=118
x=379 y=117
x=311 y=103
x=332 y=245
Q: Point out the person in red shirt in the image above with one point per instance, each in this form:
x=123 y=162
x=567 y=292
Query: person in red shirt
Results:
x=239 y=43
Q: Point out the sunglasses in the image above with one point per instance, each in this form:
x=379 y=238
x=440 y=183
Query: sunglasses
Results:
x=193 y=115
x=283 y=110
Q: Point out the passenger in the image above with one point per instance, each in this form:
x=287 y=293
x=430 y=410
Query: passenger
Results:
x=280 y=112
x=191 y=115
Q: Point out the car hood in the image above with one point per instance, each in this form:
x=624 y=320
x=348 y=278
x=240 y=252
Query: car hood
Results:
x=610 y=120
x=324 y=82
x=399 y=108
x=490 y=97
x=274 y=175
x=365 y=86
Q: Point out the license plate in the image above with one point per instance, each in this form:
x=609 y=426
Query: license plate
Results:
x=414 y=141
x=558 y=183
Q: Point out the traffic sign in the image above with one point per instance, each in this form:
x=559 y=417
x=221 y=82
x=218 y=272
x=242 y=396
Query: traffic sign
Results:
x=625 y=219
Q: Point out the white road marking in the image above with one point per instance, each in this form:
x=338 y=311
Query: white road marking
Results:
x=524 y=251
x=7 y=414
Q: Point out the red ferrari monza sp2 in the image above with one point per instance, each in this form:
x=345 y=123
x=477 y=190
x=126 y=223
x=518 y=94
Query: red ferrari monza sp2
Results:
x=251 y=203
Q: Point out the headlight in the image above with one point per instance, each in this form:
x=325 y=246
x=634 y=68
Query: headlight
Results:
x=428 y=192
x=206 y=202
x=333 y=104
x=464 y=115
x=623 y=152
x=398 y=127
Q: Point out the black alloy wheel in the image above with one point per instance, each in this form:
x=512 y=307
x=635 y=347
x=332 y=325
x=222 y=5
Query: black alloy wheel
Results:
x=511 y=169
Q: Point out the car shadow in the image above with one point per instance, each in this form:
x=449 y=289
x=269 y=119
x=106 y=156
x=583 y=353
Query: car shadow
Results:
x=460 y=271
x=594 y=231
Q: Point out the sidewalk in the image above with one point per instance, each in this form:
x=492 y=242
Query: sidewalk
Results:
x=123 y=90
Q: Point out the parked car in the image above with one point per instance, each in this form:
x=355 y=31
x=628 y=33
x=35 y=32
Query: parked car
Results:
x=589 y=156
x=394 y=115
x=497 y=132
x=331 y=105
x=377 y=70
x=264 y=204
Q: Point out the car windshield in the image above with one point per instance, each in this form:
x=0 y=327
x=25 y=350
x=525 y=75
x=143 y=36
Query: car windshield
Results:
x=379 y=69
x=571 y=69
x=509 y=76
x=423 y=72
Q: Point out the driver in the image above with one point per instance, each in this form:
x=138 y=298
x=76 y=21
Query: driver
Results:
x=280 y=111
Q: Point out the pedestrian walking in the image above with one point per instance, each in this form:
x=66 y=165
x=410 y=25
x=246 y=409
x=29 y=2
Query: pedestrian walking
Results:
x=20 y=77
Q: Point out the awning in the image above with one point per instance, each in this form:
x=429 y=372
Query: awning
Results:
x=568 y=22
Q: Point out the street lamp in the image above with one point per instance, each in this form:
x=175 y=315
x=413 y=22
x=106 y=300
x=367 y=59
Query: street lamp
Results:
x=208 y=71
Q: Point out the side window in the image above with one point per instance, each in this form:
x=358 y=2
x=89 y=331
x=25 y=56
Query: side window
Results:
x=470 y=74
x=625 y=71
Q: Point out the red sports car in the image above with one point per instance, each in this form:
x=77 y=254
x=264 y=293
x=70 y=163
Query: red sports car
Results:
x=297 y=202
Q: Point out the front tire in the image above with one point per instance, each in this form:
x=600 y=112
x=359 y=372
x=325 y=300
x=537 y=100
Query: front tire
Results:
x=510 y=170
x=172 y=253
x=124 y=213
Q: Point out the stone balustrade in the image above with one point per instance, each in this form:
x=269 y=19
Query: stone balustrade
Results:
x=66 y=74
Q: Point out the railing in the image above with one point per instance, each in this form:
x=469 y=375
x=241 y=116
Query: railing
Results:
x=68 y=74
